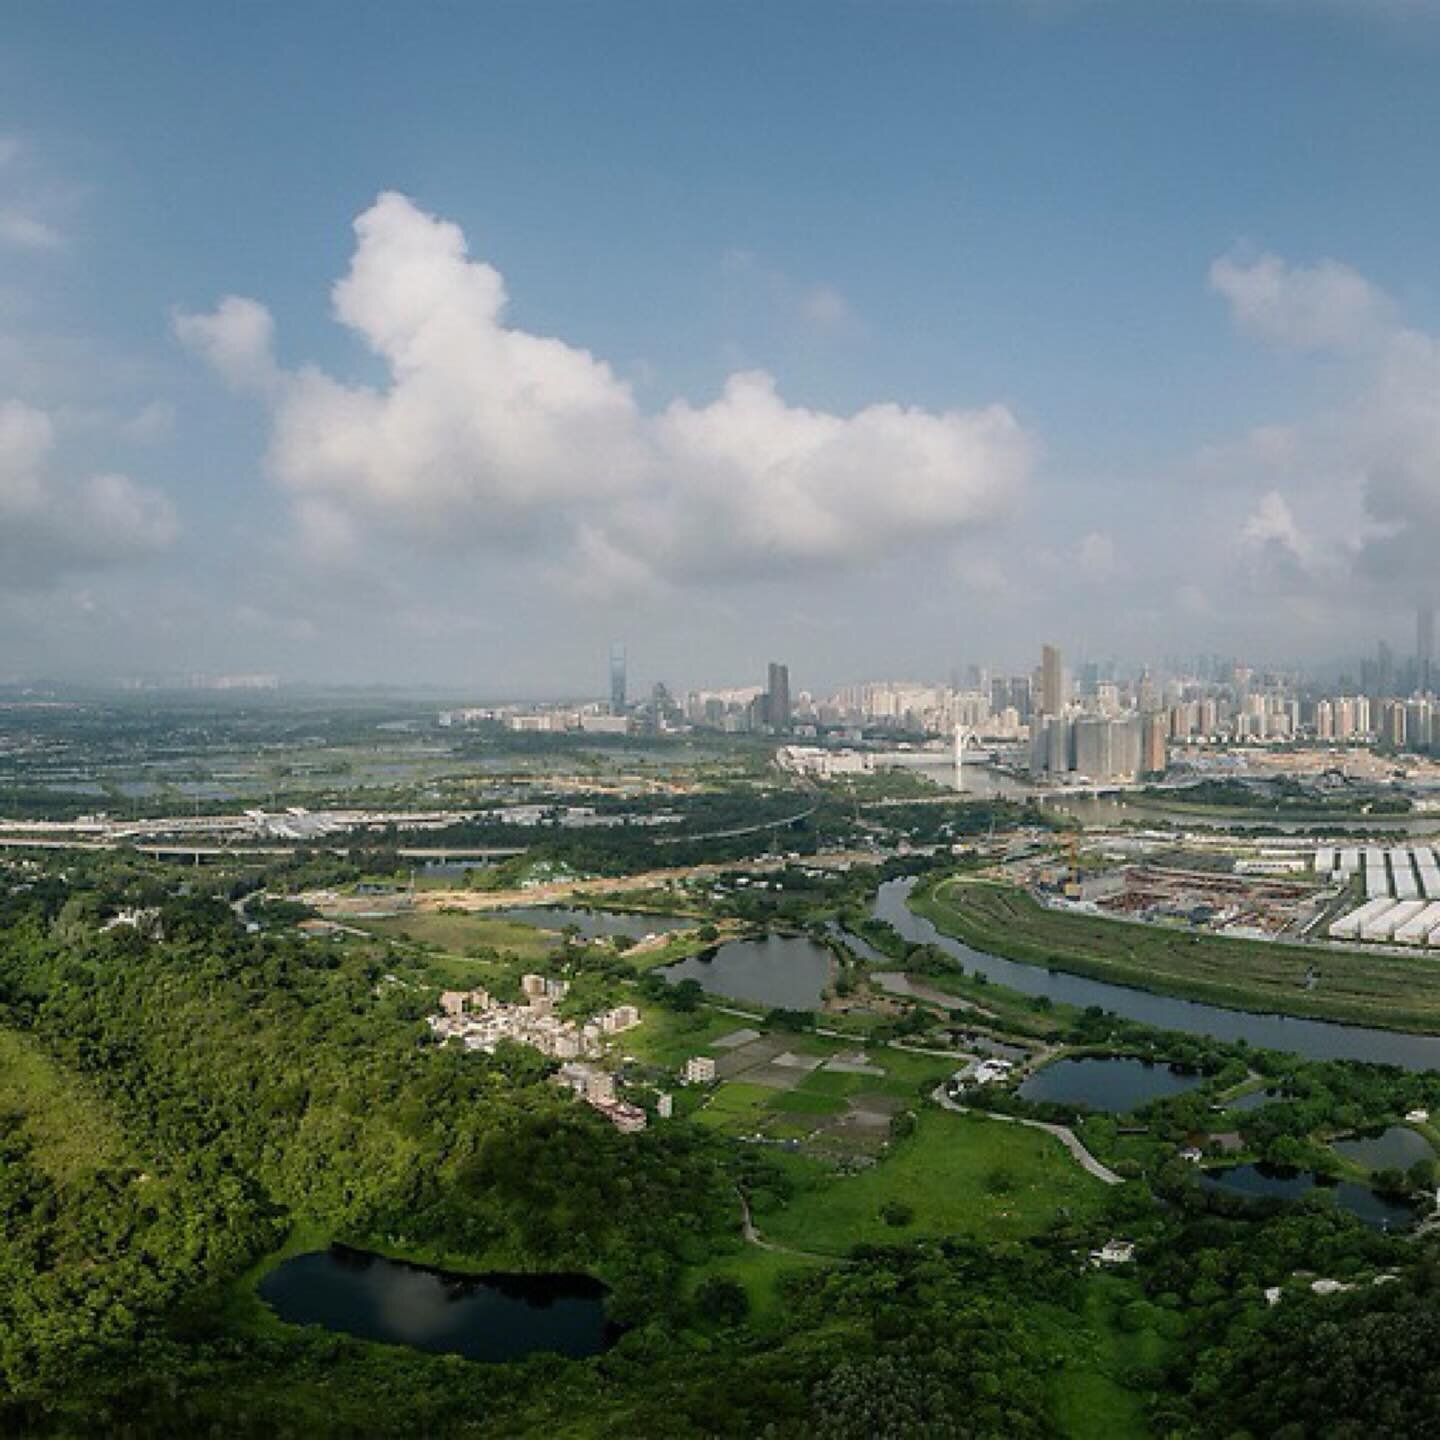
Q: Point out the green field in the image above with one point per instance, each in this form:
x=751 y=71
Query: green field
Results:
x=459 y=934
x=1371 y=989
x=961 y=1174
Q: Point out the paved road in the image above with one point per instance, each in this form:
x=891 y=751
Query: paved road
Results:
x=1062 y=1133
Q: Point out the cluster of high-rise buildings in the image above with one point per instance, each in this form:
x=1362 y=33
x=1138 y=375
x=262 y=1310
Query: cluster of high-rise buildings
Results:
x=1106 y=734
x=1099 y=722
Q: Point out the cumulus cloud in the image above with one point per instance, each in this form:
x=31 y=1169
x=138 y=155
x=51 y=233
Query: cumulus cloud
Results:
x=1271 y=526
x=1325 y=306
x=236 y=339
x=487 y=433
x=1383 y=443
x=49 y=526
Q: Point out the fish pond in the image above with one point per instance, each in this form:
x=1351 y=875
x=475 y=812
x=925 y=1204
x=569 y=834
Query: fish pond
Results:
x=1111 y=1083
x=781 y=971
x=1272 y=1182
x=1395 y=1148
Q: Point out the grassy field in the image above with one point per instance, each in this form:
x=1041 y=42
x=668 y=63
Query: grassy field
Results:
x=670 y=1037
x=1090 y=1399
x=72 y=1130
x=759 y=1272
x=1369 y=989
x=961 y=1174
x=460 y=934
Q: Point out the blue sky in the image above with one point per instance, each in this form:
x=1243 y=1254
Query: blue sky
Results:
x=949 y=206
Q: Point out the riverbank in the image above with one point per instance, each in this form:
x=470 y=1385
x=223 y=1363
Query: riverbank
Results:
x=1384 y=991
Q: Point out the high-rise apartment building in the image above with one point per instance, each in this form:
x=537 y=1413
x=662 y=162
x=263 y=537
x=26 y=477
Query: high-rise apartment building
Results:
x=617 y=678
x=1052 y=681
x=777 y=703
x=1425 y=676
x=1152 y=743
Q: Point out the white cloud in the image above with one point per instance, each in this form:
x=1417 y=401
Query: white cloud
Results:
x=1325 y=306
x=236 y=339
x=24 y=231
x=485 y=433
x=151 y=423
x=1271 y=525
x=49 y=526
x=1382 y=446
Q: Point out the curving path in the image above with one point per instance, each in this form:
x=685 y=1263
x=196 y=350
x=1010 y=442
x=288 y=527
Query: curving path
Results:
x=1063 y=1133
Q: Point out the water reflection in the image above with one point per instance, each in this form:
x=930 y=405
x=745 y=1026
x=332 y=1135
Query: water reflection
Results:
x=779 y=970
x=482 y=1317
x=1272 y=1182
x=1110 y=1083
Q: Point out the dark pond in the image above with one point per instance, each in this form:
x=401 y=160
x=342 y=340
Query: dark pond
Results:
x=1269 y=1182
x=1111 y=1083
x=778 y=970
x=482 y=1317
x=1397 y=1148
x=1254 y=1100
x=1319 y=1039
x=596 y=924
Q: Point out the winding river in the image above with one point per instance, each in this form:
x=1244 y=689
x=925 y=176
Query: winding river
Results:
x=1317 y=1039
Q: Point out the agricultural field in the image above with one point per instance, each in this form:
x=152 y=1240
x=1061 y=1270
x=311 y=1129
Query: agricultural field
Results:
x=1394 y=991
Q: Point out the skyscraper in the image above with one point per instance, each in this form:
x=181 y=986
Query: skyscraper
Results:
x=777 y=706
x=617 y=678
x=1052 y=681
x=1425 y=649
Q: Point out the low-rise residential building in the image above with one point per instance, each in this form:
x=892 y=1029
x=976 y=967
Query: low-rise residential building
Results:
x=622 y=1017
x=699 y=1070
x=1114 y=1252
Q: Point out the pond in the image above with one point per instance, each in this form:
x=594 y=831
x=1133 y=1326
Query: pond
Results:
x=597 y=924
x=787 y=971
x=1396 y=1148
x=482 y=1317
x=1254 y=1100
x=1317 y=1039
x=1272 y=1182
x=1113 y=1084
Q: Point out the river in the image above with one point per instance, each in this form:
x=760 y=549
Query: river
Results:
x=1317 y=1039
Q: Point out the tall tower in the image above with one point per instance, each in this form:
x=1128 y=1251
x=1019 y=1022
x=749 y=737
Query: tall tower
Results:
x=617 y=678
x=1425 y=676
x=1052 y=681
x=778 y=704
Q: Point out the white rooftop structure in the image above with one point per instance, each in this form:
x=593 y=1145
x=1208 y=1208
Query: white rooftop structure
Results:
x=1417 y=930
x=1384 y=925
x=1347 y=927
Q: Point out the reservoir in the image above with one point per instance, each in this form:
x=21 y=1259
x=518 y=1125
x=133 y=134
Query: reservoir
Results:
x=597 y=924
x=482 y=1317
x=1113 y=1084
x=1269 y=1182
x=1318 y=1039
x=1397 y=1148
x=785 y=971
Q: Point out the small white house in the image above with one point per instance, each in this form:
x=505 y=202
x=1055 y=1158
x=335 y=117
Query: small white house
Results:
x=1114 y=1252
